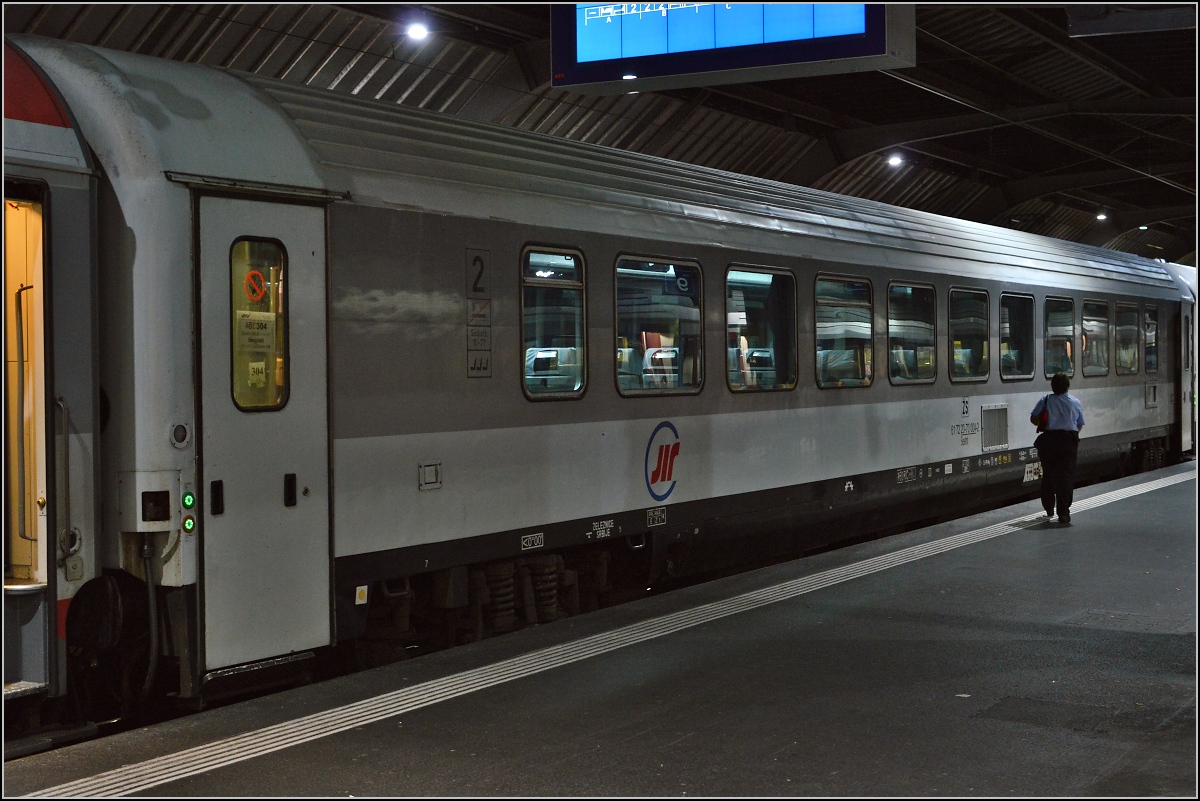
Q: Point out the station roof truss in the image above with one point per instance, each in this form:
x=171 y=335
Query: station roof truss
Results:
x=1035 y=118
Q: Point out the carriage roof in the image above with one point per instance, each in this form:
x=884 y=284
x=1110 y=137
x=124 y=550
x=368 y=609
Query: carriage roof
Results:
x=204 y=124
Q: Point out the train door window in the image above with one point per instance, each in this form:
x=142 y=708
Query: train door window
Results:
x=1127 y=339
x=1095 y=338
x=552 y=314
x=1150 y=325
x=844 y=333
x=1060 y=336
x=659 y=331
x=259 y=318
x=912 y=316
x=968 y=335
x=1016 y=336
x=760 y=313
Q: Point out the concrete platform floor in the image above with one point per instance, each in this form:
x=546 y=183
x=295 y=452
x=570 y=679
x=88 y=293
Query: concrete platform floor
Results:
x=1045 y=660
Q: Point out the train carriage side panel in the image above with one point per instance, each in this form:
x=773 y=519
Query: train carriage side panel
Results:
x=159 y=128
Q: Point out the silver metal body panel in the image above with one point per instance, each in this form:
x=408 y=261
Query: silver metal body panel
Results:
x=423 y=188
x=512 y=478
x=266 y=565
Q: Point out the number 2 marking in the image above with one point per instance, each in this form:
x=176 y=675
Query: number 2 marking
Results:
x=475 y=287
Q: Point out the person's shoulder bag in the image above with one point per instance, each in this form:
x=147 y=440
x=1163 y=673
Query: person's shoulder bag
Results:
x=1044 y=417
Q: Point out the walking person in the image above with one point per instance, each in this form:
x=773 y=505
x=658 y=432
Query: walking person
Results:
x=1059 y=416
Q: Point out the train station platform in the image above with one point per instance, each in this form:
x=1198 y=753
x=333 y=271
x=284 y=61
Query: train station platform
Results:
x=998 y=654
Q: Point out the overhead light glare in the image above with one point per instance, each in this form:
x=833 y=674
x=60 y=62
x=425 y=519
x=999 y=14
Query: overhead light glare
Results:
x=1101 y=216
x=629 y=77
x=895 y=161
x=417 y=31
x=1143 y=227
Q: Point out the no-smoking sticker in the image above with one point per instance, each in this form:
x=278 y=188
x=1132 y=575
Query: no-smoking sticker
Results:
x=255 y=285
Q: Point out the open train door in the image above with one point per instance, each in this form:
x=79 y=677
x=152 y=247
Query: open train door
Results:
x=263 y=430
x=1187 y=376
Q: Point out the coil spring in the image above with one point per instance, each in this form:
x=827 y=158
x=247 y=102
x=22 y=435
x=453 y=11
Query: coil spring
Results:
x=500 y=611
x=544 y=574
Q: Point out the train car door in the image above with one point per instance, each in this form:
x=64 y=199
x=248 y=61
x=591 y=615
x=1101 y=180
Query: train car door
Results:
x=1187 y=376
x=27 y=491
x=264 y=457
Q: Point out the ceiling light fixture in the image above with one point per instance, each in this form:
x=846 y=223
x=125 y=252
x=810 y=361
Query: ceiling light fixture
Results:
x=1143 y=227
x=1101 y=216
x=417 y=31
x=629 y=77
x=895 y=161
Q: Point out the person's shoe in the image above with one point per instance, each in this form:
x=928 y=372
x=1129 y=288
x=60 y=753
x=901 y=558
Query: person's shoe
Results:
x=1049 y=512
x=1065 y=519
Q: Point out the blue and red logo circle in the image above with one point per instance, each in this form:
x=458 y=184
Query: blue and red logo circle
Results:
x=661 y=451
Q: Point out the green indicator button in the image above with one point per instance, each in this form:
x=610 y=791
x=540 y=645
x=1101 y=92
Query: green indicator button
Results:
x=189 y=500
x=189 y=523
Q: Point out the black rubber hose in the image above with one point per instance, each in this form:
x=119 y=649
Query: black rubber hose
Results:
x=152 y=669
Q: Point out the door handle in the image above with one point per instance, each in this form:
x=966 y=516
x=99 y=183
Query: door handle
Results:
x=216 y=494
x=289 y=489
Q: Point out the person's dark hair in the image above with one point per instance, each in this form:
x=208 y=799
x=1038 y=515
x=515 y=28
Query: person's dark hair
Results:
x=1060 y=383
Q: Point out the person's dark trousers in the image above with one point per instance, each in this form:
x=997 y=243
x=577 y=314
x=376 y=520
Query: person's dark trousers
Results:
x=1058 y=451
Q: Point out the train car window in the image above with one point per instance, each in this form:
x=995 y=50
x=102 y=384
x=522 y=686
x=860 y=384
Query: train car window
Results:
x=1060 y=336
x=760 y=314
x=968 y=335
x=844 y=333
x=660 y=345
x=912 y=316
x=258 y=311
x=1150 y=323
x=1016 y=336
x=1127 y=339
x=553 y=326
x=1095 y=338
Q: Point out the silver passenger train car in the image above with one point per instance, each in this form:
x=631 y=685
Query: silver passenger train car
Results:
x=288 y=370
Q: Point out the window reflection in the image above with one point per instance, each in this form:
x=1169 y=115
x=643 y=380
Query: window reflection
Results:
x=1060 y=336
x=659 y=338
x=844 y=330
x=911 y=341
x=968 y=334
x=1095 y=338
x=760 y=315
x=1016 y=336
x=552 y=324
x=1127 y=340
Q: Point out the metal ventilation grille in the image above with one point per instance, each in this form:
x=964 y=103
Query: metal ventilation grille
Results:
x=995 y=428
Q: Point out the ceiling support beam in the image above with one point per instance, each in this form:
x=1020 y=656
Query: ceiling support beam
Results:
x=936 y=86
x=1102 y=20
x=857 y=142
x=1021 y=189
x=1053 y=35
x=1121 y=221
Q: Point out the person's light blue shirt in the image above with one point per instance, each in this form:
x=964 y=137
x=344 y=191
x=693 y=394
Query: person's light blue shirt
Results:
x=1066 y=412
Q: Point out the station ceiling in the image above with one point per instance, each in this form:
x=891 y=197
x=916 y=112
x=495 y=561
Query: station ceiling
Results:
x=1007 y=118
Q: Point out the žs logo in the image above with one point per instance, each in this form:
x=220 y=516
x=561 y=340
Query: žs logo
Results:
x=661 y=451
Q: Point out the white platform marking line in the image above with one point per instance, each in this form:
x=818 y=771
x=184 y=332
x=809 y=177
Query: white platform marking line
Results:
x=238 y=748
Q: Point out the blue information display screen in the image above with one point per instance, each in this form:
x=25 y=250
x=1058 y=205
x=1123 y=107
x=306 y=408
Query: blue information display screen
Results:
x=622 y=47
x=605 y=31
